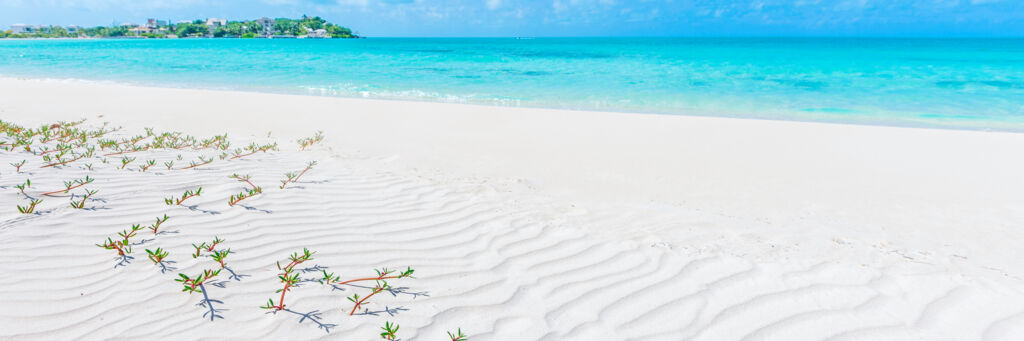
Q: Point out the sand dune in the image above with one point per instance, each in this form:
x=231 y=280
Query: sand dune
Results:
x=502 y=257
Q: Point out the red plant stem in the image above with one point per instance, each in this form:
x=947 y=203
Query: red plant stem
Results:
x=296 y=178
x=126 y=152
x=184 y=198
x=210 y=249
x=118 y=248
x=66 y=190
x=250 y=183
x=239 y=199
x=243 y=155
x=288 y=268
x=63 y=162
x=280 y=305
x=367 y=279
x=197 y=165
x=364 y=299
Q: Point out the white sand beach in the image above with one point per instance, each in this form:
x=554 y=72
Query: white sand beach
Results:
x=520 y=223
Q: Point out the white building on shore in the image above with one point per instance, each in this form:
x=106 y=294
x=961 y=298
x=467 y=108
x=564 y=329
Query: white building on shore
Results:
x=267 y=25
x=22 y=28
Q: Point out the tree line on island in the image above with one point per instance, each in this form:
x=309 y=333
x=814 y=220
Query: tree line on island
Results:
x=311 y=27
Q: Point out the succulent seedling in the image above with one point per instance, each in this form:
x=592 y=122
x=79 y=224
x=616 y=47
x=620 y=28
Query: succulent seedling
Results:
x=389 y=331
x=185 y=196
x=60 y=160
x=31 y=206
x=253 y=148
x=148 y=164
x=81 y=203
x=382 y=274
x=249 y=193
x=202 y=161
x=458 y=336
x=157 y=256
x=213 y=244
x=159 y=221
x=17 y=166
x=219 y=256
x=70 y=185
x=199 y=250
x=22 y=187
x=309 y=141
x=126 y=160
x=381 y=286
x=193 y=285
x=169 y=164
x=329 y=278
x=122 y=247
x=292 y=177
x=288 y=277
x=88 y=166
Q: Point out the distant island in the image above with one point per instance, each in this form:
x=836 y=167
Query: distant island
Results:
x=306 y=27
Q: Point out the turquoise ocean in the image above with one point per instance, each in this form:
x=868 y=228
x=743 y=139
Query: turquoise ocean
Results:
x=940 y=83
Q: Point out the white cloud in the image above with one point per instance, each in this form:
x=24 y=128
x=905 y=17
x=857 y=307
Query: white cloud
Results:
x=493 y=4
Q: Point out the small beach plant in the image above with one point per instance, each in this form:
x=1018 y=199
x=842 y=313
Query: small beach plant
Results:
x=249 y=193
x=69 y=185
x=61 y=161
x=381 y=286
x=199 y=250
x=31 y=208
x=123 y=245
x=81 y=203
x=309 y=141
x=194 y=285
x=149 y=163
x=88 y=166
x=382 y=274
x=292 y=177
x=289 y=277
x=213 y=244
x=126 y=160
x=159 y=221
x=253 y=148
x=17 y=166
x=219 y=256
x=185 y=196
x=169 y=164
x=157 y=256
x=458 y=336
x=202 y=161
x=389 y=331
x=21 y=187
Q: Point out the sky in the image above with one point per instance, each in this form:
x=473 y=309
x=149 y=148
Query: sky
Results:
x=542 y=18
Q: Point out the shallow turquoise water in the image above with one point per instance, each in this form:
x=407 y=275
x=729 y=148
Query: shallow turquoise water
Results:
x=951 y=83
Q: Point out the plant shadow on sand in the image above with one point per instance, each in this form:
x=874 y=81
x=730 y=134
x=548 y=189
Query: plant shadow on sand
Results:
x=393 y=291
x=250 y=208
x=123 y=261
x=313 y=316
x=388 y=310
x=235 y=276
x=164 y=267
x=207 y=302
x=197 y=209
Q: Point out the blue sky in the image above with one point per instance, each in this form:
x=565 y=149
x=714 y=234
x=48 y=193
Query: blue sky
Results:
x=445 y=18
